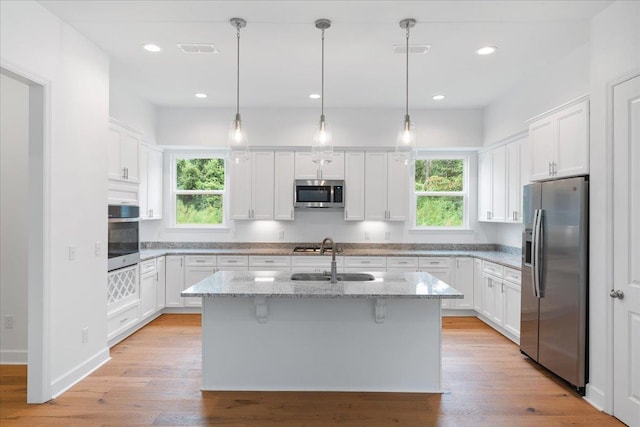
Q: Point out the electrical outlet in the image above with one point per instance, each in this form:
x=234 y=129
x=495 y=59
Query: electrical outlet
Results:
x=387 y=235
x=281 y=235
x=367 y=236
x=85 y=335
x=8 y=322
x=72 y=252
x=98 y=248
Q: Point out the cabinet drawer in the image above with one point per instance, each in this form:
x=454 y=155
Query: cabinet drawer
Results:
x=269 y=261
x=366 y=262
x=512 y=275
x=491 y=268
x=122 y=319
x=147 y=266
x=402 y=262
x=311 y=261
x=200 y=261
x=429 y=262
x=233 y=261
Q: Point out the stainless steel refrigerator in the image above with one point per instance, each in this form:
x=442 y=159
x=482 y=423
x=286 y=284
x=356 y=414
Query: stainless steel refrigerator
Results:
x=555 y=250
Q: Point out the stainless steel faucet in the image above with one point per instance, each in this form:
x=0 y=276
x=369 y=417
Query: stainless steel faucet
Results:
x=334 y=270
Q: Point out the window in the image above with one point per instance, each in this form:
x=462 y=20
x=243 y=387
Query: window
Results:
x=441 y=192
x=198 y=191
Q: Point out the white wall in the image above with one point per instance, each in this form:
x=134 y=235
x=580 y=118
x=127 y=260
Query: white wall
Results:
x=615 y=52
x=14 y=144
x=126 y=105
x=76 y=76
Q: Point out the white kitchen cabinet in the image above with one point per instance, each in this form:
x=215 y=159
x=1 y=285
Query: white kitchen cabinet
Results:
x=305 y=168
x=559 y=141
x=492 y=185
x=477 y=285
x=150 y=182
x=232 y=262
x=492 y=298
x=283 y=185
x=252 y=187
x=354 y=264
x=315 y=263
x=439 y=267
x=387 y=186
x=123 y=153
x=463 y=281
x=269 y=263
x=148 y=294
x=511 y=309
x=161 y=291
x=192 y=275
x=402 y=263
x=123 y=300
x=174 y=284
x=517 y=153
x=354 y=183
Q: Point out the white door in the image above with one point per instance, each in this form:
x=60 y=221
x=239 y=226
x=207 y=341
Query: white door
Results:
x=477 y=285
x=160 y=295
x=498 y=183
x=130 y=156
x=514 y=188
x=334 y=169
x=193 y=275
x=464 y=283
x=572 y=147
x=148 y=295
x=262 y=185
x=174 y=281
x=398 y=176
x=375 y=186
x=511 y=307
x=541 y=148
x=485 y=201
x=626 y=251
x=354 y=186
x=115 y=170
x=240 y=185
x=154 y=184
x=283 y=185
x=304 y=166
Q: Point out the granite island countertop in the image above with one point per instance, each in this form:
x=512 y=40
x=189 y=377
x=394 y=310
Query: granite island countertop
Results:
x=279 y=284
x=499 y=257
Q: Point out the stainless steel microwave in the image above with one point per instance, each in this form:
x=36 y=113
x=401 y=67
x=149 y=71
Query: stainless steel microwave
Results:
x=318 y=193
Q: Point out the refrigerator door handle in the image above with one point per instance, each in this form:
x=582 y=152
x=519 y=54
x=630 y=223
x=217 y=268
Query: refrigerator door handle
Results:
x=537 y=252
x=533 y=252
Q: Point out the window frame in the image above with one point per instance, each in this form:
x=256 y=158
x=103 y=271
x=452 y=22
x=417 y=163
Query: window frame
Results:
x=465 y=157
x=174 y=192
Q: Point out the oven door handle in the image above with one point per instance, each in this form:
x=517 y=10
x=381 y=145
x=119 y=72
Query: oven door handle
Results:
x=124 y=219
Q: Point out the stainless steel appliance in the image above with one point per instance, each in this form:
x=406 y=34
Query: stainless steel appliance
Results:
x=555 y=245
x=123 y=239
x=318 y=193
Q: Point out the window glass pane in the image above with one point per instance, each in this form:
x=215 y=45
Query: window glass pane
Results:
x=439 y=175
x=199 y=209
x=200 y=174
x=439 y=211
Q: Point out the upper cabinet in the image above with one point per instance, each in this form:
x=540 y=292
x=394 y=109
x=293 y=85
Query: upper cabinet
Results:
x=387 y=188
x=252 y=187
x=559 y=141
x=150 y=182
x=123 y=152
x=284 y=176
x=305 y=168
x=354 y=186
x=500 y=180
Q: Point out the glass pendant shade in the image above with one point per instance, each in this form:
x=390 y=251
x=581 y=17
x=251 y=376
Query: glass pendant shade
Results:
x=406 y=146
x=238 y=144
x=322 y=149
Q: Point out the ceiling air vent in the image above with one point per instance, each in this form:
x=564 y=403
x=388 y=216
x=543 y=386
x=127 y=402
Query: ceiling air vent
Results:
x=198 y=48
x=413 y=48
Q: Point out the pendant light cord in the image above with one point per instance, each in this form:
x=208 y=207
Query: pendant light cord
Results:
x=322 y=79
x=238 y=72
x=407 y=87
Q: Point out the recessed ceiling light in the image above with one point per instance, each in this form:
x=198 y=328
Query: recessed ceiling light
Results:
x=314 y=96
x=150 y=47
x=201 y=95
x=486 y=50
x=438 y=97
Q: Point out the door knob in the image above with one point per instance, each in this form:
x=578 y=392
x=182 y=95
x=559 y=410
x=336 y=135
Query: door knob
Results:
x=616 y=294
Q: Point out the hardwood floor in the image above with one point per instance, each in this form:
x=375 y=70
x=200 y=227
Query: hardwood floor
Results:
x=154 y=378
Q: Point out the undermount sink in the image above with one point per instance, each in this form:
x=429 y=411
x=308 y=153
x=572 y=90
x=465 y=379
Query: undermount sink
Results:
x=342 y=277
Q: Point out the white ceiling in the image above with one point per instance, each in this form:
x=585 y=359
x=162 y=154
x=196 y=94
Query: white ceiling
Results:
x=280 y=48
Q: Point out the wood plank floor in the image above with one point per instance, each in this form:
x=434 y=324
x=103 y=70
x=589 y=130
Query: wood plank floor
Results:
x=154 y=378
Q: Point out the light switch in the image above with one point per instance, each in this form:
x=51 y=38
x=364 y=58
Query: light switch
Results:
x=72 y=252
x=98 y=248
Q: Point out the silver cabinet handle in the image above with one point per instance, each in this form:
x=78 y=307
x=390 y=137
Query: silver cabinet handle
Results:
x=403 y=262
x=502 y=288
x=555 y=168
x=490 y=283
x=269 y=261
x=232 y=261
x=549 y=168
x=124 y=173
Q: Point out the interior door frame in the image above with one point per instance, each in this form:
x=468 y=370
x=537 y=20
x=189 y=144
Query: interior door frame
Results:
x=39 y=262
x=609 y=307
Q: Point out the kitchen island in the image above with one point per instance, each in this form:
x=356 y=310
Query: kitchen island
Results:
x=263 y=331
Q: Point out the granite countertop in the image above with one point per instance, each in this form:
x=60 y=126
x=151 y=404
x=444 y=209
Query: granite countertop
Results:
x=279 y=284
x=499 y=257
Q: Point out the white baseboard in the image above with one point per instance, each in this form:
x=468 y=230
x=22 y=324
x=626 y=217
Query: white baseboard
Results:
x=499 y=328
x=595 y=397
x=448 y=312
x=182 y=310
x=73 y=376
x=13 y=357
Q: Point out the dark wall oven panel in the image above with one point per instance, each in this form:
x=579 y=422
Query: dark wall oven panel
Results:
x=124 y=236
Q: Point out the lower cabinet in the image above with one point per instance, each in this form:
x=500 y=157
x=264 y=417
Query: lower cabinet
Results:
x=511 y=309
x=313 y=264
x=148 y=294
x=500 y=298
x=123 y=300
x=463 y=281
x=174 y=281
x=161 y=282
x=192 y=275
x=439 y=267
x=477 y=285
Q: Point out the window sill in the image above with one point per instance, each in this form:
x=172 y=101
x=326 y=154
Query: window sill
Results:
x=196 y=227
x=463 y=230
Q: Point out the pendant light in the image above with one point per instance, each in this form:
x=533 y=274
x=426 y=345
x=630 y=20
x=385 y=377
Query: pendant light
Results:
x=238 y=146
x=406 y=141
x=322 y=150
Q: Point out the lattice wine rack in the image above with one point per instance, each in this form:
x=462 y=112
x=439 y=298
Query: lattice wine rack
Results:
x=122 y=284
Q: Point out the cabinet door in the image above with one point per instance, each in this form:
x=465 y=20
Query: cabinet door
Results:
x=283 y=185
x=572 y=141
x=130 y=156
x=464 y=283
x=524 y=173
x=488 y=300
x=160 y=283
x=144 y=182
x=512 y=308
x=304 y=166
x=375 y=198
x=335 y=168
x=514 y=191
x=354 y=186
x=398 y=178
x=154 y=184
x=484 y=187
x=193 y=275
x=498 y=184
x=262 y=185
x=445 y=276
x=240 y=186
x=541 y=148
x=115 y=169
x=498 y=301
x=148 y=294
x=477 y=286
x=174 y=284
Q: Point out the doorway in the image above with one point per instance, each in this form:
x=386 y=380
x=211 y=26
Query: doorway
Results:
x=25 y=168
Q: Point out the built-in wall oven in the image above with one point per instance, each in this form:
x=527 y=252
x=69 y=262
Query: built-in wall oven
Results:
x=123 y=237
